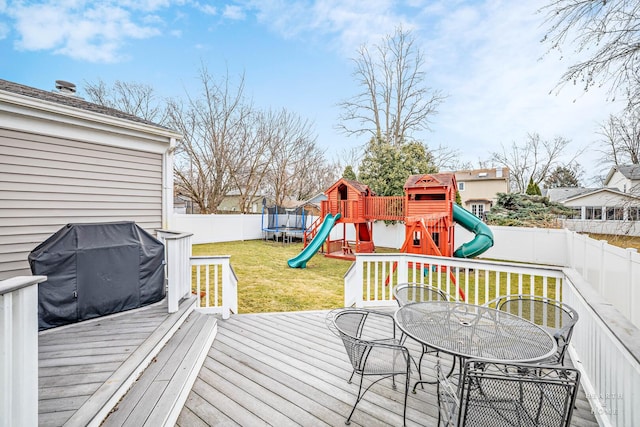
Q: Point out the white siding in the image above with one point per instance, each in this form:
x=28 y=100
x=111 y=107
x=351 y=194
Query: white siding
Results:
x=46 y=183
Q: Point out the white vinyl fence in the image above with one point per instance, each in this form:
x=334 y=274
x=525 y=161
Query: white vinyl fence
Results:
x=218 y=228
x=611 y=270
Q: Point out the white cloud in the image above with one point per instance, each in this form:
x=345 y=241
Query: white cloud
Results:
x=234 y=12
x=4 y=30
x=206 y=9
x=94 y=34
x=487 y=58
x=348 y=23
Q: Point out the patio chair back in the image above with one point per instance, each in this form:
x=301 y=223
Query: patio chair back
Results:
x=498 y=394
x=369 y=339
x=406 y=293
x=555 y=316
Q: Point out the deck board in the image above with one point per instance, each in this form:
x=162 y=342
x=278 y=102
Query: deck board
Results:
x=83 y=365
x=280 y=369
x=150 y=400
x=289 y=369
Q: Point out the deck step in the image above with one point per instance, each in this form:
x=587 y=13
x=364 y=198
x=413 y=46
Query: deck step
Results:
x=158 y=396
x=94 y=410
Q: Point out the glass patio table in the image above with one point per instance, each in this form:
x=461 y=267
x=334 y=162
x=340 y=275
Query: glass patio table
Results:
x=470 y=331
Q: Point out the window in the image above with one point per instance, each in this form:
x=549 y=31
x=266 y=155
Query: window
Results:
x=577 y=213
x=593 y=212
x=634 y=213
x=461 y=186
x=477 y=210
x=615 y=213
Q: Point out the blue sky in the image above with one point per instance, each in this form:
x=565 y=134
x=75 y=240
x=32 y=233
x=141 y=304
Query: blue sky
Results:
x=485 y=55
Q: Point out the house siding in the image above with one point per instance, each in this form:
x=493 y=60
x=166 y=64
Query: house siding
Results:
x=478 y=188
x=47 y=182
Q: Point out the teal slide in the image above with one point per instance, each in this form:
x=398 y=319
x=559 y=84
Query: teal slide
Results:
x=484 y=237
x=300 y=260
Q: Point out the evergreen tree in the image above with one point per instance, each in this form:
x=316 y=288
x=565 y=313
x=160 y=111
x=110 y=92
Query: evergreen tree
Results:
x=533 y=189
x=349 y=173
x=386 y=167
x=562 y=176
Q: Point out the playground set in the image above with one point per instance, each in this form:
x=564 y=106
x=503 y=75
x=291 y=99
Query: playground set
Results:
x=428 y=210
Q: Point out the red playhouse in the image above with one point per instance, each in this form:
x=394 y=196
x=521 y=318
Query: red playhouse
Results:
x=428 y=210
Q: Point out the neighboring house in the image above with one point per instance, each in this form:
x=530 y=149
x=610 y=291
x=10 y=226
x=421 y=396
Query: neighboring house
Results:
x=614 y=209
x=65 y=160
x=231 y=203
x=625 y=178
x=478 y=188
x=183 y=205
x=314 y=203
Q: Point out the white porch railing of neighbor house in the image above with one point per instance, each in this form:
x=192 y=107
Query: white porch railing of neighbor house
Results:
x=211 y=278
x=604 y=345
x=19 y=351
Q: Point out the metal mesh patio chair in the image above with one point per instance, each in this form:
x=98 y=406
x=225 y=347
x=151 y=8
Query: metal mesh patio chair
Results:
x=406 y=293
x=498 y=394
x=554 y=316
x=369 y=338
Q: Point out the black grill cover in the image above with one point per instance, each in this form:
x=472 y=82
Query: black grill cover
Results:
x=96 y=269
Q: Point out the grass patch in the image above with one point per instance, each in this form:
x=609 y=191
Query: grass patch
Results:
x=267 y=284
x=620 y=241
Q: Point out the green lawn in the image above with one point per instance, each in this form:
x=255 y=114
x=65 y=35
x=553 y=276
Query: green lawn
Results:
x=267 y=284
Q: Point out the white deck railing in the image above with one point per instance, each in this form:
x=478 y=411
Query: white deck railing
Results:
x=177 y=248
x=371 y=278
x=210 y=278
x=216 y=284
x=19 y=351
x=604 y=346
x=606 y=349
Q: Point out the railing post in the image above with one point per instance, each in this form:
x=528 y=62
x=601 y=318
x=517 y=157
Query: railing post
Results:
x=403 y=270
x=226 y=289
x=177 y=254
x=19 y=351
x=631 y=298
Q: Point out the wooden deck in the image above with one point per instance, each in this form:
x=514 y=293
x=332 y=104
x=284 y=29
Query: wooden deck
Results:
x=287 y=369
x=85 y=368
x=276 y=369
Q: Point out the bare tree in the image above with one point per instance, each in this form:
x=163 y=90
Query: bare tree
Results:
x=532 y=160
x=137 y=99
x=447 y=158
x=394 y=101
x=293 y=153
x=621 y=137
x=251 y=159
x=213 y=125
x=608 y=32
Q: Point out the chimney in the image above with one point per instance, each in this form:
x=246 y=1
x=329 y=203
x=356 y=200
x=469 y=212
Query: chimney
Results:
x=499 y=172
x=65 y=87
